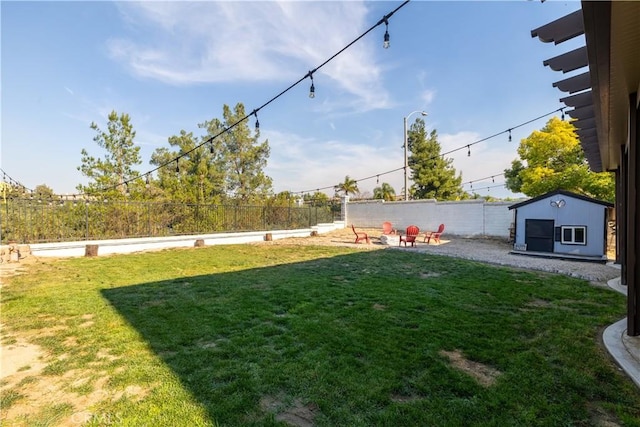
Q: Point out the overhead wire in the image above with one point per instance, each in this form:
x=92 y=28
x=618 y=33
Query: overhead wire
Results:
x=462 y=147
x=13 y=182
x=255 y=111
x=309 y=74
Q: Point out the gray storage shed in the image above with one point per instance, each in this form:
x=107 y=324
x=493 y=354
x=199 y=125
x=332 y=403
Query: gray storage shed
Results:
x=562 y=223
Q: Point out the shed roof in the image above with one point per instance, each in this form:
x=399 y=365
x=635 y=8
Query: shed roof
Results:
x=563 y=193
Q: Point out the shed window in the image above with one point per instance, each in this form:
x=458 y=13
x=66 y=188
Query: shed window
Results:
x=574 y=235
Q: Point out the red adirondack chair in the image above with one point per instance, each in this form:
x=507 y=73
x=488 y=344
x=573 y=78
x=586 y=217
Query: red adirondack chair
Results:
x=360 y=235
x=435 y=235
x=410 y=235
x=387 y=228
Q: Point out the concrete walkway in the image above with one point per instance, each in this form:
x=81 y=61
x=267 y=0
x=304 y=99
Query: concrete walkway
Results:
x=623 y=348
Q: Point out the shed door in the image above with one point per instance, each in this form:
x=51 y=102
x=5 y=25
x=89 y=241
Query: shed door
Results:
x=538 y=235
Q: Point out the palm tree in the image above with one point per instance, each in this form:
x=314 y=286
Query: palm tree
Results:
x=384 y=192
x=349 y=186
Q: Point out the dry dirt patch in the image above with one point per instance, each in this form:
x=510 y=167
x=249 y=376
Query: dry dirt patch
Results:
x=20 y=360
x=21 y=367
x=297 y=414
x=484 y=374
x=341 y=237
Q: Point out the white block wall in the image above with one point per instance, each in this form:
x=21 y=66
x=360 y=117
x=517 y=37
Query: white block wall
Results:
x=461 y=218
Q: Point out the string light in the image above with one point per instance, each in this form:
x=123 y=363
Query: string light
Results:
x=461 y=147
x=312 y=89
x=562 y=112
x=147 y=184
x=177 y=167
x=386 y=45
x=211 y=147
x=468 y=151
x=14 y=183
x=483 y=179
x=255 y=113
x=257 y=123
x=488 y=188
x=386 y=42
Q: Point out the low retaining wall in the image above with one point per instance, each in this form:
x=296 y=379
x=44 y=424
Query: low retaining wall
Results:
x=122 y=246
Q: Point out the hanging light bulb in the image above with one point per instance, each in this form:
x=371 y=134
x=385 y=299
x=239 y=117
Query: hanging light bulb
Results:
x=468 y=151
x=562 y=111
x=493 y=180
x=147 y=184
x=312 y=89
x=509 y=135
x=386 y=42
x=255 y=113
x=211 y=147
x=177 y=167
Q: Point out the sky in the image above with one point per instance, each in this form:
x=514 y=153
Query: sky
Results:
x=471 y=65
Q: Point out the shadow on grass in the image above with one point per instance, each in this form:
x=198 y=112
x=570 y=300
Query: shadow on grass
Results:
x=356 y=340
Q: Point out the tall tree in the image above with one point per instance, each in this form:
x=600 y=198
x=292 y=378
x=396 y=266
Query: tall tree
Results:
x=43 y=191
x=190 y=174
x=433 y=176
x=384 y=192
x=317 y=199
x=225 y=165
x=348 y=186
x=552 y=159
x=108 y=175
x=241 y=155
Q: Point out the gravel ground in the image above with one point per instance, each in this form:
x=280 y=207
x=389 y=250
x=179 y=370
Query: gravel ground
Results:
x=493 y=251
x=498 y=252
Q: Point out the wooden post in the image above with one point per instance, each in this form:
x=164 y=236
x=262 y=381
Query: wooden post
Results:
x=268 y=237
x=91 y=250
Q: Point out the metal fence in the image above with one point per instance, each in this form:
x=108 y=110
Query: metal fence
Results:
x=39 y=221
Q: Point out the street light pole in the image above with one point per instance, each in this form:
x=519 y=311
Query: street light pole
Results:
x=406 y=159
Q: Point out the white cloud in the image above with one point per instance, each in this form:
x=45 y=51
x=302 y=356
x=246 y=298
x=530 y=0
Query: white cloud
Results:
x=313 y=164
x=212 y=42
x=427 y=96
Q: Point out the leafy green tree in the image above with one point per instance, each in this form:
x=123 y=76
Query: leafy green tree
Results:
x=317 y=199
x=433 y=176
x=284 y=198
x=226 y=164
x=348 y=186
x=189 y=174
x=108 y=175
x=241 y=156
x=552 y=159
x=384 y=192
x=43 y=191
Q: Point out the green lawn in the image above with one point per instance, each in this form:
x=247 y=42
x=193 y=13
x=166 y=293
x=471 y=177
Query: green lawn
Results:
x=284 y=335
